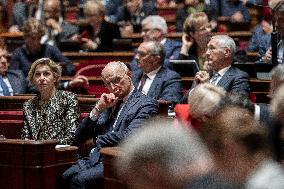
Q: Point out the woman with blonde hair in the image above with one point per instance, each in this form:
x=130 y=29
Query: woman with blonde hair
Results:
x=52 y=114
x=196 y=35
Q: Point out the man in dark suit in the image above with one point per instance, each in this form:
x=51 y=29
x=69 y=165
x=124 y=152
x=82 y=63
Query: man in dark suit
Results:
x=114 y=117
x=220 y=53
x=154 y=28
x=152 y=78
x=131 y=14
x=11 y=81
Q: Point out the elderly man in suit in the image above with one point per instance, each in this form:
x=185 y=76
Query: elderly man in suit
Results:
x=220 y=53
x=11 y=81
x=152 y=78
x=154 y=28
x=115 y=116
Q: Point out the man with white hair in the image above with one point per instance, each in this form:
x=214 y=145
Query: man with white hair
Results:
x=154 y=28
x=220 y=53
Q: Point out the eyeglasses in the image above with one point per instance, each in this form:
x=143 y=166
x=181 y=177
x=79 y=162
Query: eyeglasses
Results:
x=115 y=80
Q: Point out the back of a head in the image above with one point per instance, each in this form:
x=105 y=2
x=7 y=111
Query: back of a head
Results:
x=92 y=7
x=162 y=155
x=277 y=104
x=236 y=124
x=204 y=100
x=278 y=72
x=33 y=26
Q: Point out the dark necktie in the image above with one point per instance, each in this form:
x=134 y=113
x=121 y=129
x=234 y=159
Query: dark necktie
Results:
x=214 y=78
x=143 y=81
x=4 y=87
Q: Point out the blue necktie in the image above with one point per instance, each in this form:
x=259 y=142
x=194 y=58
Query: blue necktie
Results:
x=4 y=87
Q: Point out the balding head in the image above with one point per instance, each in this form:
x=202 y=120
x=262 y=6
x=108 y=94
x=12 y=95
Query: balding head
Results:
x=52 y=9
x=117 y=78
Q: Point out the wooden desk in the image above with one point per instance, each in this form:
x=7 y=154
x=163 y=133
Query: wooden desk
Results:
x=111 y=180
x=33 y=164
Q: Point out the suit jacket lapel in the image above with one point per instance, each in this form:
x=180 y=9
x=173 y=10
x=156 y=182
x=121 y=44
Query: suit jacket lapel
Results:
x=126 y=108
x=13 y=81
x=223 y=82
x=136 y=78
x=155 y=84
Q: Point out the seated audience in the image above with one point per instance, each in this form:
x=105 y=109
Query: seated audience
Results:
x=160 y=156
x=3 y=16
x=278 y=16
x=52 y=114
x=23 y=57
x=195 y=38
x=130 y=15
x=220 y=72
x=116 y=115
x=154 y=28
x=241 y=149
x=190 y=7
x=260 y=41
x=57 y=29
x=12 y=82
x=111 y=8
x=152 y=79
x=98 y=35
x=22 y=11
x=234 y=9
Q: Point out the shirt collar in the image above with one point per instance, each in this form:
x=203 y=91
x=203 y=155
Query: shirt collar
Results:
x=223 y=70
x=163 y=41
x=129 y=94
x=151 y=75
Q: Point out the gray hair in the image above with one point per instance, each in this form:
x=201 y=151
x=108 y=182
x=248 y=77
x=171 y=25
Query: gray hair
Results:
x=226 y=41
x=157 y=22
x=114 y=66
x=174 y=150
x=205 y=99
x=278 y=72
x=156 y=48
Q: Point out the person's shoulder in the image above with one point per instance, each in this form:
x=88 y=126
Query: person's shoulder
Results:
x=169 y=72
x=173 y=42
x=238 y=72
x=144 y=99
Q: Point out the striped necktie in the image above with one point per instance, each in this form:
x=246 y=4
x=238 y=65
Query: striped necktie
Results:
x=143 y=81
x=215 y=78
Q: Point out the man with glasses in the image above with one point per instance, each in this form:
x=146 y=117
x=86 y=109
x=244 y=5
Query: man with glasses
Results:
x=152 y=78
x=154 y=28
x=115 y=116
x=220 y=52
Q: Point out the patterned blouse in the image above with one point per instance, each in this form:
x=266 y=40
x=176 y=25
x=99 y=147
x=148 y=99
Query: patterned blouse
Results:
x=57 y=119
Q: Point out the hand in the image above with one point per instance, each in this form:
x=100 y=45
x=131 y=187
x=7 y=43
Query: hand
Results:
x=53 y=24
x=89 y=44
x=79 y=81
x=237 y=17
x=268 y=56
x=187 y=42
x=14 y=28
x=106 y=101
x=201 y=77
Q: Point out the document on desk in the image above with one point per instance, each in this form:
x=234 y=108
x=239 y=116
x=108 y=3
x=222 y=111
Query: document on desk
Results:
x=61 y=146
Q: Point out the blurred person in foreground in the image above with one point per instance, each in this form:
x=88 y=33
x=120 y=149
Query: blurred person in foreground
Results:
x=52 y=114
x=241 y=149
x=115 y=116
x=277 y=129
x=161 y=156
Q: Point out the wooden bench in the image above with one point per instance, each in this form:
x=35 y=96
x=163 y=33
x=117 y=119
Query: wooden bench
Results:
x=33 y=164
